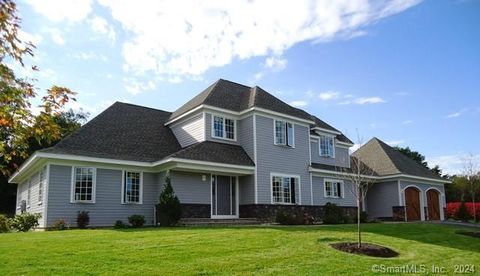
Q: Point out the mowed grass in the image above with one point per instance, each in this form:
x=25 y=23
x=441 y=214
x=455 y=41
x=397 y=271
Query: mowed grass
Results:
x=231 y=250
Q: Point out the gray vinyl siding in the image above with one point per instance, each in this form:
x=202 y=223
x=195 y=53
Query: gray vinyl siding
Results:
x=341 y=156
x=190 y=188
x=245 y=135
x=423 y=186
x=380 y=199
x=319 y=198
x=247 y=189
x=282 y=160
x=107 y=207
x=35 y=206
x=190 y=131
x=208 y=130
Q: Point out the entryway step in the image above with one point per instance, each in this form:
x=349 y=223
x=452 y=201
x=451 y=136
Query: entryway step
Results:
x=208 y=221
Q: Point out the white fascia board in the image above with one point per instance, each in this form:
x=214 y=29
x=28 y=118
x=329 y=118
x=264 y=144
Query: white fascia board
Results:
x=236 y=113
x=344 y=144
x=387 y=177
x=150 y=165
x=326 y=130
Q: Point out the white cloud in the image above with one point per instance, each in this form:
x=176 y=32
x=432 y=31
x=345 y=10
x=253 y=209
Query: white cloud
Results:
x=100 y=25
x=90 y=56
x=369 y=100
x=299 y=103
x=363 y=101
x=275 y=63
x=56 y=36
x=134 y=86
x=395 y=142
x=168 y=39
x=329 y=95
x=407 y=122
x=58 y=10
x=453 y=163
x=456 y=114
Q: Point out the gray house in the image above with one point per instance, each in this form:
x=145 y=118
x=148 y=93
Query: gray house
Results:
x=232 y=151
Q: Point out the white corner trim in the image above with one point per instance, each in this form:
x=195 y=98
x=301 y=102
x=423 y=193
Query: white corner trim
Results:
x=255 y=156
x=45 y=197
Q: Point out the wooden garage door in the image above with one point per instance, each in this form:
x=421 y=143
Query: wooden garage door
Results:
x=433 y=205
x=412 y=203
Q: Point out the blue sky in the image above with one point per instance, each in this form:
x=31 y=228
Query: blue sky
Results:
x=407 y=72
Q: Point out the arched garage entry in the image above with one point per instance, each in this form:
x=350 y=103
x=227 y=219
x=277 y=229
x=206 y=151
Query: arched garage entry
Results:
x=412 y=203
x=433 y=203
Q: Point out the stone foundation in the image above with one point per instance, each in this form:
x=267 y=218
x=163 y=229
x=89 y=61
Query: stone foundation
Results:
x=398 y=213
x=268 y=212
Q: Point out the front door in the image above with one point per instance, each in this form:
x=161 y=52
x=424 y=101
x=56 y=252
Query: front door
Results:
x=224 y=196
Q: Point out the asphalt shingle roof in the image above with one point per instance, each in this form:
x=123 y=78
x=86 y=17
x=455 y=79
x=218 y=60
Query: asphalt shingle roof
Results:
x=237 y=97
x=385 y=160
x=135 y=133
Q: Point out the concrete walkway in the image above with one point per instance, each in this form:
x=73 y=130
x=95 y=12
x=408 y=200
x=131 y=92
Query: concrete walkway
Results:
x=459 y=223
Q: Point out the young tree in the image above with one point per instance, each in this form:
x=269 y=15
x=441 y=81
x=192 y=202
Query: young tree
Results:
x=169 y=208
x=471 y=172
x=360 y=177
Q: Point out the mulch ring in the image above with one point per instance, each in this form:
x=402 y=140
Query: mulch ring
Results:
x=367 y=249
x=469 y=233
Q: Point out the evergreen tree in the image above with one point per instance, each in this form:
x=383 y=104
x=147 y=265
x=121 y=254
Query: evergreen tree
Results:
x=169 y=209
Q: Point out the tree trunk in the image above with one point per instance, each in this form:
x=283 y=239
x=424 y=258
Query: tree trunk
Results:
x=358 y=223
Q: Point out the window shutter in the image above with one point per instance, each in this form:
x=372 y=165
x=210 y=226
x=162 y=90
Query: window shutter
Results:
x=339 y=189
x=292 y=190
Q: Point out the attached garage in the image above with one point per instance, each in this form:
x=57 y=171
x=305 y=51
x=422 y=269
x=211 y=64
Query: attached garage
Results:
x=433 y=204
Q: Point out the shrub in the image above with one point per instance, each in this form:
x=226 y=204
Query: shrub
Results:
x=462 y=212
x=83 y=219
x=136 y=220
x=452 y=209
x=299 y=218
x=60 y=224
x=119 y=225
x=4 y=224
x=169 y=210
x=25 y=221
x=363 y=217
x=334 y=214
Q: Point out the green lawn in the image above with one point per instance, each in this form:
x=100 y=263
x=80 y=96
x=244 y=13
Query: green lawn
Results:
x=234 y=250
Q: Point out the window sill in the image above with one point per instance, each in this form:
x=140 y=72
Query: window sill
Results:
x=337 y=197
x=132 y=203
x=281 y=203
x=224 y=139
x=40 y=203
x=284 y=146
x=327 y=156
x=82 y=202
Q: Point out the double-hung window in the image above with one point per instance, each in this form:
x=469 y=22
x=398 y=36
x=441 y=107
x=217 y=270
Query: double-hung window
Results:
x=283 y=133
x=84 y=184
x=333 y=188
x=283 y=189
x=223 y=128
x=42 y=184
x=327 y=146
x=132 y=187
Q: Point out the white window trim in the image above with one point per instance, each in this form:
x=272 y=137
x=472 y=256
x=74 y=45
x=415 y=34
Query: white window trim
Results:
x=274 y=133
x=94 y=186
x=41 y=186
x=212 y=131
x=297 y=186
x=342 y=191
x=29 y=192
x=122 y=200
x=320 y=146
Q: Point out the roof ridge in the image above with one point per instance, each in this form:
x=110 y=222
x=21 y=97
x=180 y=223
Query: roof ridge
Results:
x=382 y=145
x=225 y=80
x=142 y=106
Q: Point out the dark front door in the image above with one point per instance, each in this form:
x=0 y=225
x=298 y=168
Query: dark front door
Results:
x=433 y=205
x=412 y=203
x=224 y=196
